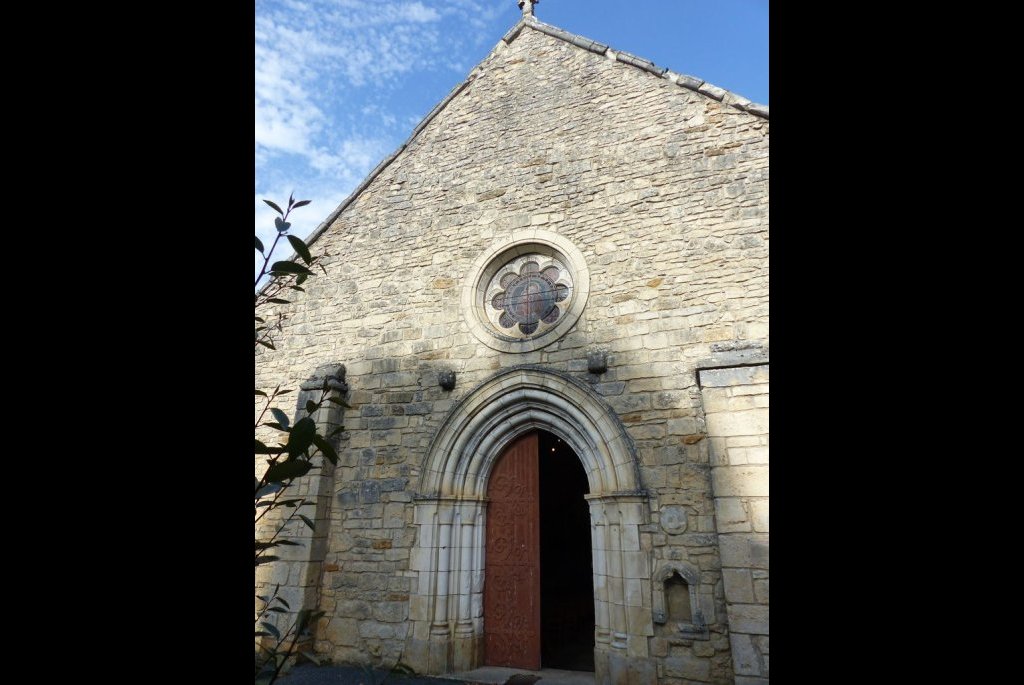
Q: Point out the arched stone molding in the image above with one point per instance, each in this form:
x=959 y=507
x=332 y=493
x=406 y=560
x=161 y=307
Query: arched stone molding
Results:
x=516 y=401
x=697 y=627
x=446 y=605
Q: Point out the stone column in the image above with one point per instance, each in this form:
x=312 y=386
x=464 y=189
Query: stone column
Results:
x=446 y=602
x=423 y=561
x=736 y=410
x=467 y=644
x=622 y=590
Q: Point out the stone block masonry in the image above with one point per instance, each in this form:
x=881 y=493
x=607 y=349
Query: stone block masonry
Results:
x=664 y=190
x=739 y=455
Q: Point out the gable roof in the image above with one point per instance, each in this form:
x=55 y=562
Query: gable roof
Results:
x=690 y=82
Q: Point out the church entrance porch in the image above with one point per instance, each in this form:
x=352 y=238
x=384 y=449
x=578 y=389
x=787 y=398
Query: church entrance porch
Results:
x=449 y=562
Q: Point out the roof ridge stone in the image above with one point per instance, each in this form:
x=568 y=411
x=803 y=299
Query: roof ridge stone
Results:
x=690 y=82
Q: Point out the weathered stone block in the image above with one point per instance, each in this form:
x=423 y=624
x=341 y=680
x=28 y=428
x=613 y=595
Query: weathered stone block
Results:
x=342 y=631
x=761 y=591
x=733 y=376
x=759 y=551
x=642 y=672
x=390 y=612
x=731 y=515
x=740 y=481
x=759 y=514
x=684 y=426
x=748 y=422
x=687 y=666
x=748 y=618
x=734 y=550
x=746 y=659
x=369 y=492
x=738 y=586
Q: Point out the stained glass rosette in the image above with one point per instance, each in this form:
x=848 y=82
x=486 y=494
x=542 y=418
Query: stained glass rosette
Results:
x=528 y=295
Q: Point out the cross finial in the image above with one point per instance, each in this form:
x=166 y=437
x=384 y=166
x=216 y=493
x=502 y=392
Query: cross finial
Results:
x=527 y=6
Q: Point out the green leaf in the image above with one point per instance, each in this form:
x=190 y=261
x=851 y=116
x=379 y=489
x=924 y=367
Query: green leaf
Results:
x=300 y=248
x=281 y=417
x=301 y=278
x=274 y=207
x=338 y=400
x=266 y=343
x=278 y=300
x=281 y=600
x=307 y=522
x=266 y=559
x=283 y=392
x=271 y=628
x=301 y=203
x=259 y=244
x=295 y=287
x=279 y=610
x=288 y=543
x=260 y=319
x=287 y=470
x=260 y=392
x=313 y=658
x=289 y=268
x=334 y=432
x=291 y=199
x=311 y=406
x=281 y=224
x=301 y=437
x=275 y=425
x=326 y=448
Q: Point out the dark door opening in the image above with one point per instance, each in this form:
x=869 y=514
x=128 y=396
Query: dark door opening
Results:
x=566 y=568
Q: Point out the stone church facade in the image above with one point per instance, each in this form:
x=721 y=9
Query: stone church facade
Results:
x=549 y=311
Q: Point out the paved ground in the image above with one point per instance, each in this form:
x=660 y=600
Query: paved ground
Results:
x=352 y=675
x=496 y=675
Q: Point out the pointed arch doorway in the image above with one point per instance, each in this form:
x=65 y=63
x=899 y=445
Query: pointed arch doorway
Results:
x=538 y=584
x=448 y=563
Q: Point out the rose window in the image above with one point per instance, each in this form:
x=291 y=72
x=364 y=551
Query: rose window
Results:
x=528 y=295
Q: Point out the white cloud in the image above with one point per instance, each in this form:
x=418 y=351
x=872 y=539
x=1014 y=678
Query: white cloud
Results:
x=329 y=79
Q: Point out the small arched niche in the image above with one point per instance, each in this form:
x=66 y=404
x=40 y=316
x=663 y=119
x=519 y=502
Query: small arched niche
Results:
x=676 y=603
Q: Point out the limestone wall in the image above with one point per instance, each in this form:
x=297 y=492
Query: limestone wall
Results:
x=736 y=411
x=665 y=193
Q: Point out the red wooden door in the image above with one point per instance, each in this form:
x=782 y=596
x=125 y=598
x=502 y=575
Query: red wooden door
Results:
x=512 y=561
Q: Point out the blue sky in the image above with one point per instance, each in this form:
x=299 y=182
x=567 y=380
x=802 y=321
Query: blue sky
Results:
x=340 y=84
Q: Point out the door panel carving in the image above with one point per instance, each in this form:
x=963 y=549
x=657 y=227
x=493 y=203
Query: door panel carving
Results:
x=512 y=561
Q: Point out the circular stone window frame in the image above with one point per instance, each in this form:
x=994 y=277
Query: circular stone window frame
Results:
x=518 y=244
